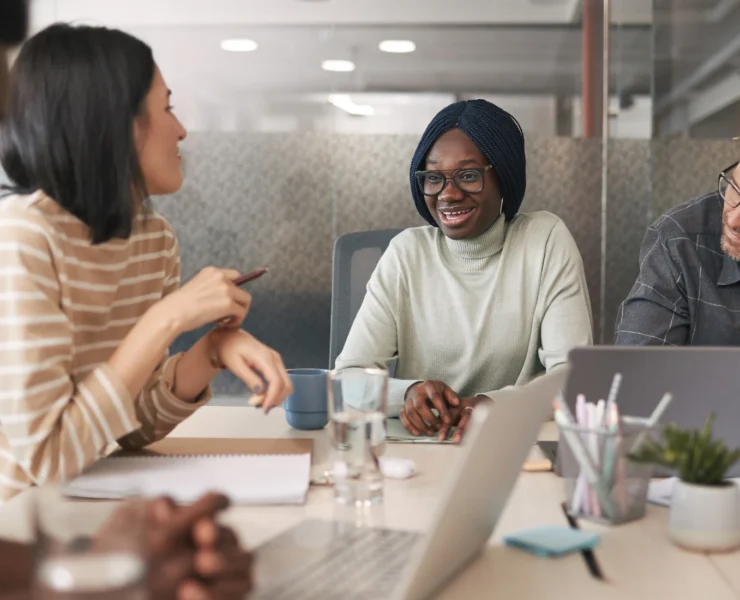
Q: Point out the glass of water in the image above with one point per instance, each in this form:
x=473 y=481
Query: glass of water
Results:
x=358 y=404
x=88 y=550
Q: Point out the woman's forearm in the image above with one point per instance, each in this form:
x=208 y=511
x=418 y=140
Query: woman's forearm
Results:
x=141 y=350
x=194 y=370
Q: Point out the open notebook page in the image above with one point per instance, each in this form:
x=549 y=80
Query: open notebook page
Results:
x=245 y=479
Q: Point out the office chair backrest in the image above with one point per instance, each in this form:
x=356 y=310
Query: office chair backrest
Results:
x=355 y=257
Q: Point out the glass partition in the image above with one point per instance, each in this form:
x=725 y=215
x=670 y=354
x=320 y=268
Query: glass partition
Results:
x=697 y=97
x=628 y=185
x=303 y=117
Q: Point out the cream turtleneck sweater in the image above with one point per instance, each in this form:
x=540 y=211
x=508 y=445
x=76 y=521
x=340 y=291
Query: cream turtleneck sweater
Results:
x=479 y=314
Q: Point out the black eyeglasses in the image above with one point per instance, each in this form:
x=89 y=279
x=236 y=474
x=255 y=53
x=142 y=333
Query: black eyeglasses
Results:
x=470 y=180
x=724 y=183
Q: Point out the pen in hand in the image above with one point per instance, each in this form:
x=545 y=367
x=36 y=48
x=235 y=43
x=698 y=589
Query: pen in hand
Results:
x=251 y=276
x=240 y=281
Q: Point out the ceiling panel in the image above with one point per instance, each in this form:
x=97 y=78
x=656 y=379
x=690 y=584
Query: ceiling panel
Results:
x=494 y=59
x=131 y=13
x=494 y=47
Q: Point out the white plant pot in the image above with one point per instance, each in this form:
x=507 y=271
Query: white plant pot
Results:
x=705 y=518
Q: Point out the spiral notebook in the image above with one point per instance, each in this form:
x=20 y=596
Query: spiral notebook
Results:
x=248 y=471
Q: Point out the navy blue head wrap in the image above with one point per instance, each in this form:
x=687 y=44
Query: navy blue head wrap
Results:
x=499 y=137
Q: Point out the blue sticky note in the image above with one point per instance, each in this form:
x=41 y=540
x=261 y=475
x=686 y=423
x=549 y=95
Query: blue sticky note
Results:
x=552 y=540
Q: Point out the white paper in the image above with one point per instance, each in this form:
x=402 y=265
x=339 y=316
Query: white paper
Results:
x=661 y=491
x=252 y=479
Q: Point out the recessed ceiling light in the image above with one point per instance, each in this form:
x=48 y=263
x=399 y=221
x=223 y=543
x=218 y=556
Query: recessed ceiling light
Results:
x=397 y=46
x=239 y=45
x=340 y=66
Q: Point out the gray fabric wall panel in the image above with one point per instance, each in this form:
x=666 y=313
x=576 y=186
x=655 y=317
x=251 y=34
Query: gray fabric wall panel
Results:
x=629 y=190
x=370 y=182
x=564 y=177
x=279 y=201
x=262 y=200
x=686 y=168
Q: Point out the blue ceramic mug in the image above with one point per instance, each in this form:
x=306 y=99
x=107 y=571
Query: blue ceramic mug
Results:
x=306 y=407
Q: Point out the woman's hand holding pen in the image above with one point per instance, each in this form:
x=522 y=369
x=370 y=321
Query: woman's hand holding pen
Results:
x=210 y=296
x=214 y=296
x=207 y=298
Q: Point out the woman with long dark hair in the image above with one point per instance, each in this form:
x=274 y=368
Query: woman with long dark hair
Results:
x=90 y=296
x=190 y=554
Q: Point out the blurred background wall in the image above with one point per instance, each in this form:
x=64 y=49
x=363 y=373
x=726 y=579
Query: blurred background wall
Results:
x=304 y=114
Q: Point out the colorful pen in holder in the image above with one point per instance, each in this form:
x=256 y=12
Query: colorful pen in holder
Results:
x=602 y=483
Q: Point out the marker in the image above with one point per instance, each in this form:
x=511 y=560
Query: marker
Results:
x=653 y=421
x=613 y=392
x=587 y=467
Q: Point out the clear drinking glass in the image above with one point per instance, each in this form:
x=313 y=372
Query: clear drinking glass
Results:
x=358 y=403
x=88 y=550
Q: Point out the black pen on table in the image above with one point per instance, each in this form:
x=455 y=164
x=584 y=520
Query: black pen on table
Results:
x=588 y=555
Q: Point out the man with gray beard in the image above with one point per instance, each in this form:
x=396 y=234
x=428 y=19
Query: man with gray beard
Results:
x=688 y=289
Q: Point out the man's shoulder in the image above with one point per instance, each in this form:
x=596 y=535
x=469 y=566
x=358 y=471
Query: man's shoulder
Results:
x=700 y=216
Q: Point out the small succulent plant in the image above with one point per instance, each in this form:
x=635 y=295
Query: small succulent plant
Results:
x=693 y=453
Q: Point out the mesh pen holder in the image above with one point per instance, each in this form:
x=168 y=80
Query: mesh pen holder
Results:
x=601 y=483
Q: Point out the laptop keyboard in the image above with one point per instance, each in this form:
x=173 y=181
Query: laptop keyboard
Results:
x=362 y=564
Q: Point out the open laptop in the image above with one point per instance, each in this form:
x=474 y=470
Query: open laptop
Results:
x=327 y=559
x=701 y=379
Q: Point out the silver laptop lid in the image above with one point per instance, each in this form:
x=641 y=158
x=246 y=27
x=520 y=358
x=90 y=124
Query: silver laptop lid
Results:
x=701 y=379
x=490 y=461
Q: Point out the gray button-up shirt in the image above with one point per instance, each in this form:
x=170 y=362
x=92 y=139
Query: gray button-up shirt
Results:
x=688 y=290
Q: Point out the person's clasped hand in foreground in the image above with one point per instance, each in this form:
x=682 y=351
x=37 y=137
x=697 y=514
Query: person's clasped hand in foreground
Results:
x=189 y=555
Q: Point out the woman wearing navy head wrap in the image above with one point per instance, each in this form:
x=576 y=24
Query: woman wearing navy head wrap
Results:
x=481 y=299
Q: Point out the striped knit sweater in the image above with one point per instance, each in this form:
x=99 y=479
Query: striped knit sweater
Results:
x=65 y=305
